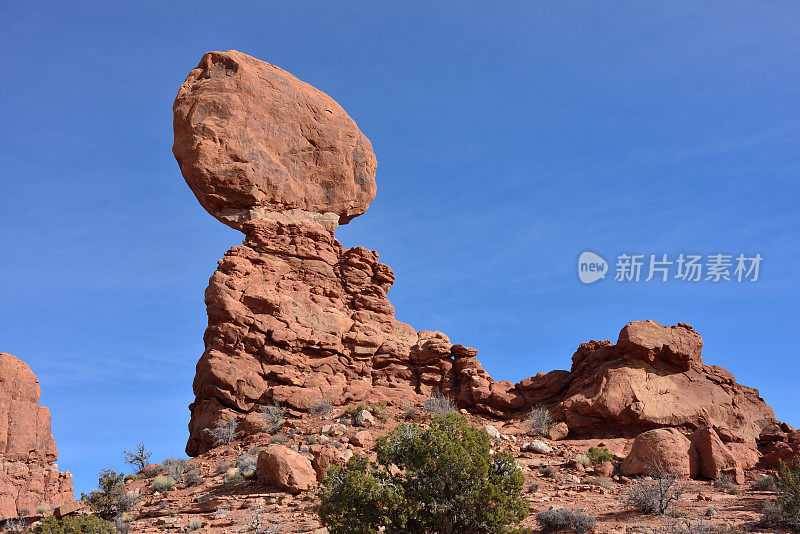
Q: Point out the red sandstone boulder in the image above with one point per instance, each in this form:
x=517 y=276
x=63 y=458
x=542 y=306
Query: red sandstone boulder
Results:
x=251 y=139
x=285 y=468
x=324 y=456
x=715 y=458
x=678 y=345
x=661 y=450
x=28 y=476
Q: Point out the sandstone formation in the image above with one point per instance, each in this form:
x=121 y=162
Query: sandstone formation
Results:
x=664 y=450
x=297 y=319
x=29 y=477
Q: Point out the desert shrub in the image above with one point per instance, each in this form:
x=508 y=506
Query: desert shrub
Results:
x=564 y=519
x=162 y=484
x=654 y=495
x=122 y=524
x=257 y=523
x=763 y=483
x=409 y=410
x=246 y=464
x=786 y=511
x=223 y=432
x=130 y=478
x=74 y=525
x=150 y=471
x=439 y=404
x=42 y=509
x=584 y=460
x=548 y=471
x=447 y=482
x=194 y=524
x=138 y=457
x=192 y=477
x=14 y=525
x=273 y=416
x=682 y=525
x=126 y=501
x=539 y=421
x=599 y=455
x=174 y=468
x=323 y=407
x=102 y=500
x=232 y=477
x=725 y=483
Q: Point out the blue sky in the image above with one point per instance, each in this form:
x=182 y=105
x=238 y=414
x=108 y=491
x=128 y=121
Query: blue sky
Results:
x=510 y=138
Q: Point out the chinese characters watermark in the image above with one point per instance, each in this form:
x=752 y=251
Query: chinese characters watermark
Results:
x=663 y=267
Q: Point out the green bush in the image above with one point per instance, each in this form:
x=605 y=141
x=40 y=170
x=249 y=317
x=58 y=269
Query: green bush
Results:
x=787 y=485
x=447 y=481
x=89 y=524
x=598 y=456
x=162 y=484
x=110 y=487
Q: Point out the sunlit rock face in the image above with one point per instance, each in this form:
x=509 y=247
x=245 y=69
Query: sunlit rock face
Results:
x=29 y=477
x=295 y=318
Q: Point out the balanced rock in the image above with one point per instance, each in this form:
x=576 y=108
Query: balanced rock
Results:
x=29 y=477
x=295 y=318
x=252 y=140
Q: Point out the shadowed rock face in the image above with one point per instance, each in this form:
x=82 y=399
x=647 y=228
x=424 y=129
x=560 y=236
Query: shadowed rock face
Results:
x=295 y=318
x=28 y=476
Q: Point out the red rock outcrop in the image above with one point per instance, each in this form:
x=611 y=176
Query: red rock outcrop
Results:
x=29 y=477
x=295 y=318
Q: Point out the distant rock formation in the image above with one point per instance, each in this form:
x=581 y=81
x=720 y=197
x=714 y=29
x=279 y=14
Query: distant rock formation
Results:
x=29 y=477
x=295 y=318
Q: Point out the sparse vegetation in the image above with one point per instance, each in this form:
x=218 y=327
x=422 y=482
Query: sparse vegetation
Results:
x=584 y=460
x=280 y=439
x=763 y=483
x=786 y=511
x=726 y=483
x=223 y=432
x=126 y=501
x=174 y=468
x=409 y=410
x=447 y=482
x=564 y=519
x=599 y=455
x=321 y=408
x=439 y=404
x=256 y=522
x=232 y=477
x=539 y=421
x=273 y=415
x=74 y=525
x=192 y=477
x=102 y=500
x=246 y=464
x=162 y=484
x=548 y=471
x=654 y=495
x=138 y=457
x=194 y=524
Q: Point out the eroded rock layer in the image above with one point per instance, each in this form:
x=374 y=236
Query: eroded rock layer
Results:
x=295 y=318
x=29 y=477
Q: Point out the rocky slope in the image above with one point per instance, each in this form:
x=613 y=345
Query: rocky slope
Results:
x=296 y=319
x=29 y=478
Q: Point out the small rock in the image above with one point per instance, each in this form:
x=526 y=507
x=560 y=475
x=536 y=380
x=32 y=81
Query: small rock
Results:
x=537 y=446
x=558 y=431
x=334 y=429
x=363 y=439
x=365 y=419
x=492 y=431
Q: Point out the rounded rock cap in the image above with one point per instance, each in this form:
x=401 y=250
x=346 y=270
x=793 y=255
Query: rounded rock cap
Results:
x=251 y=139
